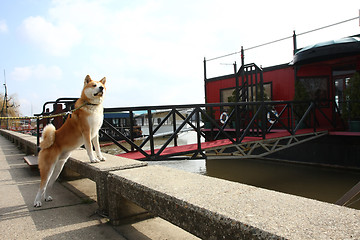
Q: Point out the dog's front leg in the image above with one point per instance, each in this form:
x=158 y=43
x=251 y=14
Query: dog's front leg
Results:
x=97 y=148
x=88 y=147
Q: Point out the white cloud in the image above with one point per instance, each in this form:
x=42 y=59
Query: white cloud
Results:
x=38 y=72
x=3 y=26
x=55 y=39
x=151 y=51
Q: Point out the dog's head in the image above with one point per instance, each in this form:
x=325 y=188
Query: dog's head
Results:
x=93 y=91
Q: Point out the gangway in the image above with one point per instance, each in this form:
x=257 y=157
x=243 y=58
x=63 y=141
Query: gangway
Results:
x=254 y=133
x=252 y=138
x=250 y=147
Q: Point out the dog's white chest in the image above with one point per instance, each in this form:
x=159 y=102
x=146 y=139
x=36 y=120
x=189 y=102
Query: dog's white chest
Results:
x=95 y=120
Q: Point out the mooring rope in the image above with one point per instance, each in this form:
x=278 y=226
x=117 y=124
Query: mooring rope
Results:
x=42 y=117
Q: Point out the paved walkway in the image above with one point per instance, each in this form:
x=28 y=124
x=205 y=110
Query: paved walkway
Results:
x=70 y=216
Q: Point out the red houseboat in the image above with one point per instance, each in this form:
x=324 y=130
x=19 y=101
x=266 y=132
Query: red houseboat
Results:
x=322 y=69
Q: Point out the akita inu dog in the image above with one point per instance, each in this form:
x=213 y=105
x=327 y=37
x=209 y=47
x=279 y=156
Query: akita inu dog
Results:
x=82 y=127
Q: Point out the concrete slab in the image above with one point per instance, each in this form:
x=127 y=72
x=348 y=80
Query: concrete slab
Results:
x=26 y=183
x=73 y=222
x=83 y=188
x=257 y=212
x=154 y=228
x=31 y=160
x=69 y=216
x=79 y=163
x=112 y=162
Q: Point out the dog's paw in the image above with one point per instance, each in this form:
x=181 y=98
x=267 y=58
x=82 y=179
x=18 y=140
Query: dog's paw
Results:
x=48 y=199
x=94 y=160
x=100 y=156
x=37 y=204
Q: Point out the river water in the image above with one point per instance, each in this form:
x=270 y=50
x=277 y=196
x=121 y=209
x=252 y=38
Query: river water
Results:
x=320 y=183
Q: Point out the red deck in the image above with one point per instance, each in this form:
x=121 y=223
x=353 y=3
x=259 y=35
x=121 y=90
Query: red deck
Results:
x=338 y=133
x=217 y=143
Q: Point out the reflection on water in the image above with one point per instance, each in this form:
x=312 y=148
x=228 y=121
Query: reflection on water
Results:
x=324 y=184
x=194 y=166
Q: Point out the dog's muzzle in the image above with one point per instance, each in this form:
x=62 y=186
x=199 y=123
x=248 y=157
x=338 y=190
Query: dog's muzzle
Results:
x=100 y=92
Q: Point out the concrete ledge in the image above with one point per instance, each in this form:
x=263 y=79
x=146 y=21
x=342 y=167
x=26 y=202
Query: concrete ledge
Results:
x=217 y=209
x=207 y=207
x=79 y=162
x=23 y=141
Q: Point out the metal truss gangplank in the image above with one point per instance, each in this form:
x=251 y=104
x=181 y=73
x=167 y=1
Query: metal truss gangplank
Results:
x=262 y=147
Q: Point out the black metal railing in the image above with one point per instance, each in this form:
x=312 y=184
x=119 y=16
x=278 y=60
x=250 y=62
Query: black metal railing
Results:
x=243 y=119
x=60 y=105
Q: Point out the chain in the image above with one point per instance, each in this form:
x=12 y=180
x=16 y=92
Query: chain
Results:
x=42 y=117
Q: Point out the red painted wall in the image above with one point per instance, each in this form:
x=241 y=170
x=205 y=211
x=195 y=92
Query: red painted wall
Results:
x=283 y=83
x=282 y=78
x=213 y=89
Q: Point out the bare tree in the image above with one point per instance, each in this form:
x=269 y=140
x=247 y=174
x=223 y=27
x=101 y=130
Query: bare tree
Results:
x=9 y=108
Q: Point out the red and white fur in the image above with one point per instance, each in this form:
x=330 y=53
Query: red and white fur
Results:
x=81 y=128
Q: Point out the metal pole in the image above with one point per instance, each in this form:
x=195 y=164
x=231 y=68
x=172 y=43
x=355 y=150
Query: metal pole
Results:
x=205 y=94
x=262 y=105
x=38 y=134
x=243 y=84
x=257 y=98
x=6 y=102
x=237 y=95
x=294 y=42
x=242 y=56
x=174 y=126
x=132 y=128
x=151 y=135
x=237 y=117
x=6 y=108
x=198 y=130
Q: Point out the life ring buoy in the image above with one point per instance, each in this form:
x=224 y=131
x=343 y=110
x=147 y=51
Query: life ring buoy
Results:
x=223 y=117
x=269 y=116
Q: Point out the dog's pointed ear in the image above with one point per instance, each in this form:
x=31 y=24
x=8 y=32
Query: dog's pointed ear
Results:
x=103 y=80
x=87 y=79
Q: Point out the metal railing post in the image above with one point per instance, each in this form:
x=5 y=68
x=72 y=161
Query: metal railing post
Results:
x=198 y=135
x=236 y=107
x=151 y=136
x=174 y=126
x=38 y=135
x=131 y=128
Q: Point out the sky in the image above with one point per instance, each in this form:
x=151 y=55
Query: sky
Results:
x=150 y=51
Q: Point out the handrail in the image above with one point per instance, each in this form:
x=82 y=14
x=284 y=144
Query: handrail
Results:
x=57 y=101
x=250 y=119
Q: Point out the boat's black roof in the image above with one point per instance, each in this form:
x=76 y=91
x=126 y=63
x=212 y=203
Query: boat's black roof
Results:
x=328 y=50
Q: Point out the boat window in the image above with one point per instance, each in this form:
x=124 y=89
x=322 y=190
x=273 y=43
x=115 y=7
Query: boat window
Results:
x=228 y=95
x=115 y=122
x=123 y=122
x=340 y=84
x=317 y=87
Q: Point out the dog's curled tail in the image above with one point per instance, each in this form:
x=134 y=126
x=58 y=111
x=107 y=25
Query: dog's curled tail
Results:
x=48 y=136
